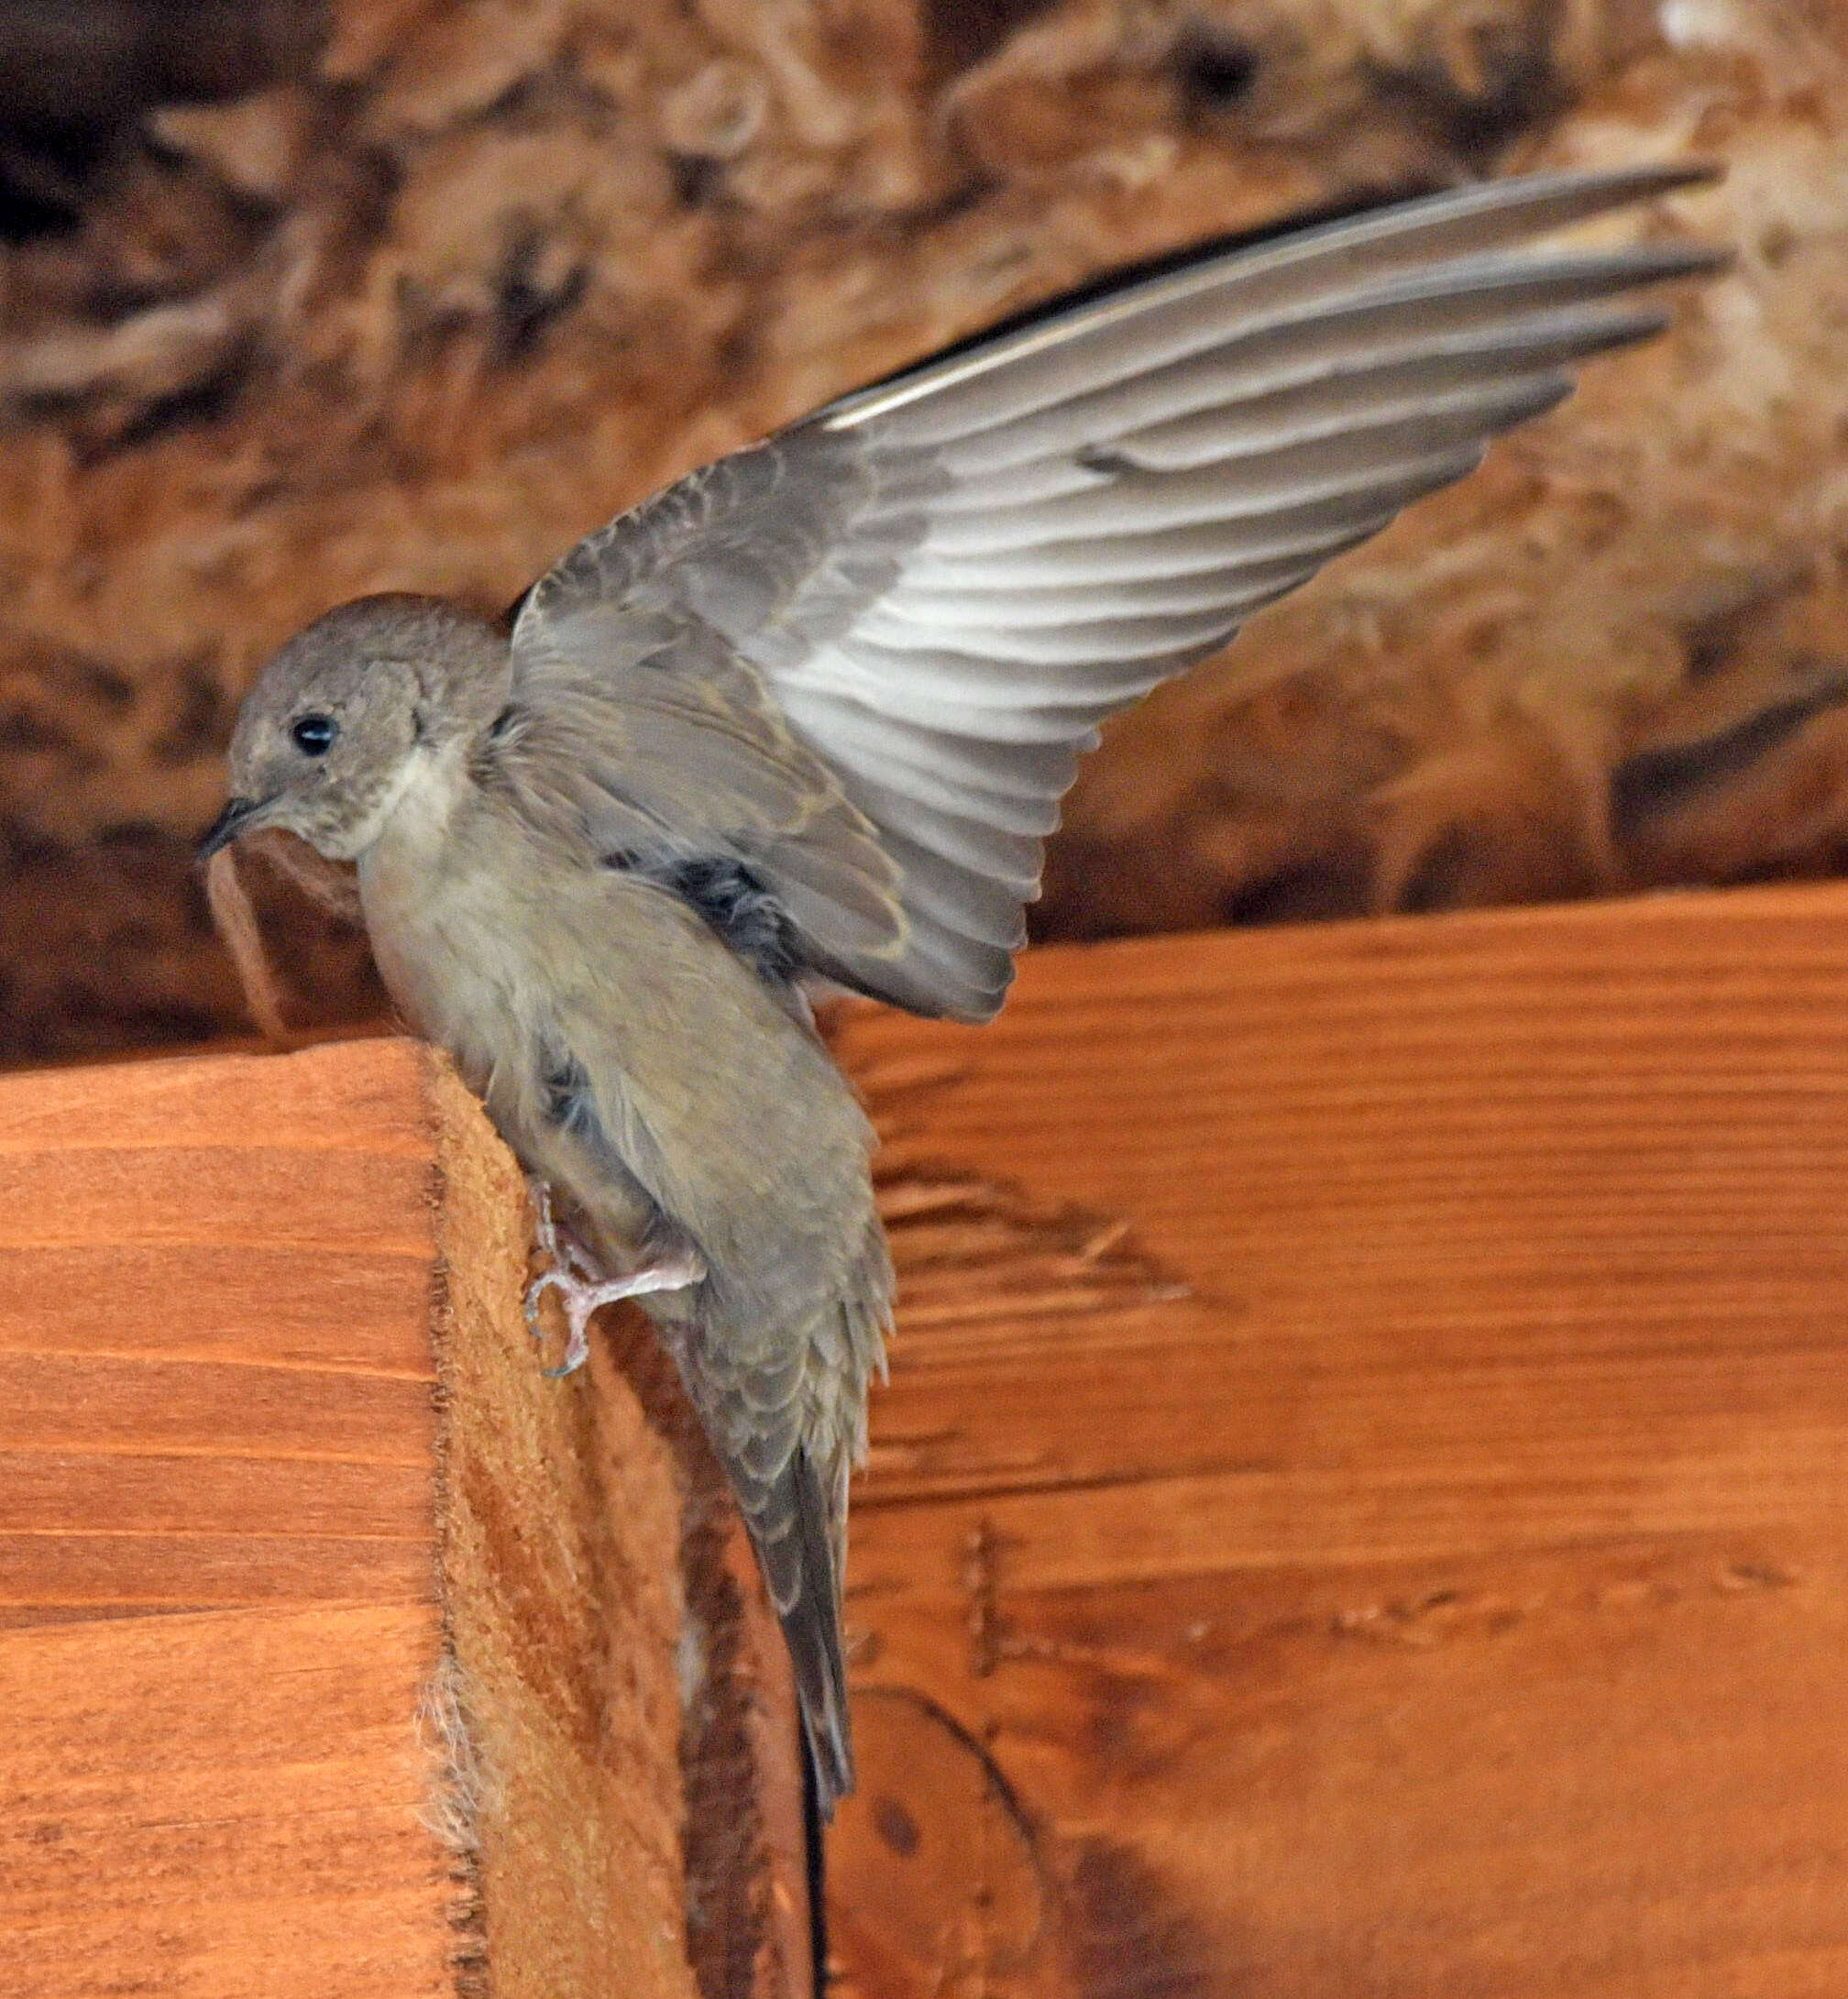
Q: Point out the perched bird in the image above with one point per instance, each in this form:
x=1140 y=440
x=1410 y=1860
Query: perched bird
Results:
x=808 y=715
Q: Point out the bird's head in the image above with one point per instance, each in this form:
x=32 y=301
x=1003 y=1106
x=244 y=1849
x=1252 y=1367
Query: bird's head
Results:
x=334 y=728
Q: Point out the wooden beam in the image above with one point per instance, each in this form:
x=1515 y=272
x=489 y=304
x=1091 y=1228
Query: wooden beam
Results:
x=342 y=1653
x=1360 y=1505
x=1358 y=1508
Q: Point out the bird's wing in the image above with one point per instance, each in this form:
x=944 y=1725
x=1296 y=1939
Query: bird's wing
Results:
x=946 y=581
x=643 y=736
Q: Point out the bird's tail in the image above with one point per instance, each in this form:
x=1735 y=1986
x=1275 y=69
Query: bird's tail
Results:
x=782 y=1394
x=796 y=1539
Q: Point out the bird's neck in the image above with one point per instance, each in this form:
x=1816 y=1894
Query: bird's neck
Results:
x=415 y=817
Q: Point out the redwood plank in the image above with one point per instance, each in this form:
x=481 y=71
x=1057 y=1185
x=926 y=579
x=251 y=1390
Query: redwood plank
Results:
x=210 y=1806
x=1360 y=1503
x=342 y=1650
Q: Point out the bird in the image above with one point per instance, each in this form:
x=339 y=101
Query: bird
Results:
x=802 y=722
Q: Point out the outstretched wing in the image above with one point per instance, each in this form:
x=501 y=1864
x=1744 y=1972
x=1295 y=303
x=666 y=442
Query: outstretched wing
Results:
x=929 y=593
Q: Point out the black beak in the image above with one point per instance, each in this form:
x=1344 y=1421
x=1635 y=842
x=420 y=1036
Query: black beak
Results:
x=236 y=815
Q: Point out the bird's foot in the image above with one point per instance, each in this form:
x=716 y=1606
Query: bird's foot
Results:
x=582 y=1284
x=580 y=1297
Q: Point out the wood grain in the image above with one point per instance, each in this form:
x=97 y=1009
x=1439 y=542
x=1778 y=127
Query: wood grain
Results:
x=221 y=1805
x=1359 y=1504
x=340 y=1648
x=1358 y=1508
x=217 y=1531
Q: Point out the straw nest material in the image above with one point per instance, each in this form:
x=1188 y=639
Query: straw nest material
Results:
x=412 y=294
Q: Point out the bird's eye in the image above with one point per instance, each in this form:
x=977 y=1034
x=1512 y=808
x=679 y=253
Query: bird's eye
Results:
x=314 y=734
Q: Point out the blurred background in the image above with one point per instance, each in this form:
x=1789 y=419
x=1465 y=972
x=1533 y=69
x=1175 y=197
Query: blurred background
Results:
x=300 y=300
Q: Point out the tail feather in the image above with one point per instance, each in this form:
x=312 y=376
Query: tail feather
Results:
x=793 y=1536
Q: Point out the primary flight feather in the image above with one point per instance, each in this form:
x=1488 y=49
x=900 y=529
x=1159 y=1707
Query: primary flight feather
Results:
x=808 y=715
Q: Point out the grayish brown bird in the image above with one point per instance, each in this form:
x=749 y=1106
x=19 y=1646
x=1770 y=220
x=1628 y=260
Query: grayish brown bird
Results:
x=808 y=716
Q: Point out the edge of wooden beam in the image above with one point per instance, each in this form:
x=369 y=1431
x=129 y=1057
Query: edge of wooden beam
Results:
x=588 y=1635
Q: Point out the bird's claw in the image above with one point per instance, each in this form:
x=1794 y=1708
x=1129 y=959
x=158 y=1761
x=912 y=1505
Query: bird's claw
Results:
x=582 y=1287
x=581 y=1298
x=560 y=1247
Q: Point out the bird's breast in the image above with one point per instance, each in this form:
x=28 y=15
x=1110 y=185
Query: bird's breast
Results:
x=490 y=938
x=446 y=893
